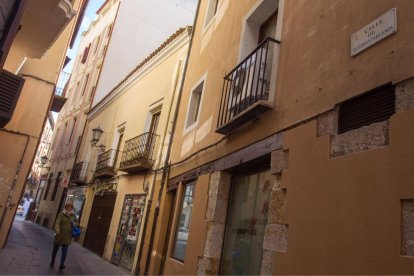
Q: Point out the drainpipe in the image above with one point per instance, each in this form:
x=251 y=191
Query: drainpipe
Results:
x=166 y=163
x=144 y=229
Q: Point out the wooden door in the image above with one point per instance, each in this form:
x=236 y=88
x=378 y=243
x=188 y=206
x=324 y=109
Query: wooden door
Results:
x=99 y=222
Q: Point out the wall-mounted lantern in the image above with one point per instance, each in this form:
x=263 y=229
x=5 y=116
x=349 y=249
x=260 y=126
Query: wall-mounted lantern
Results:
x=43 y=160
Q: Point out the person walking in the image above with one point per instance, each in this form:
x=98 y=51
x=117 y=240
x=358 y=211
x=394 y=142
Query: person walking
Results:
x=63 y=234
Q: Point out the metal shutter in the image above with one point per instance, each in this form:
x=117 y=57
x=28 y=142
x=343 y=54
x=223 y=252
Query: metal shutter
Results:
x=10 y=88
x=374 y=106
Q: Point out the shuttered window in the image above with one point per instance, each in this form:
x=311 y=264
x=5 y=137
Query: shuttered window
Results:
x=85 y=54
x=374 y=106
x=10 y=88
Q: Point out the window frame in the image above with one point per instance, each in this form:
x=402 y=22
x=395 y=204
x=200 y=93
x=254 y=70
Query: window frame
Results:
x=177 y=217
x=210 y=14
x=85 y=85
x=56 y=186
x=201 y=82
x=72 y=130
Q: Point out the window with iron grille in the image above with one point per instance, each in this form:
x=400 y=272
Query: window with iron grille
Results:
x=374 y=106
x=183 y=225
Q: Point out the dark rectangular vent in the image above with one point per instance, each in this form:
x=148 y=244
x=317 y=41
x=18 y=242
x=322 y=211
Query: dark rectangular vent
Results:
x=374 y=106
x=10 y=88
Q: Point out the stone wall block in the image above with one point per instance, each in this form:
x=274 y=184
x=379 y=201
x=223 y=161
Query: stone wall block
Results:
x=219 y=184
x=279 y=161
x=277 y=207
x=276 y=238
x=267 y=262
x=407 y=244
x=327 y=123
x=216 y=209
x=214 y=240
x=207 y=266
x=404 y=96
x=369 y=137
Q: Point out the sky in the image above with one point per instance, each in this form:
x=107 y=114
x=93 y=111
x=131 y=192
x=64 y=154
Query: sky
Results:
x=90 y=15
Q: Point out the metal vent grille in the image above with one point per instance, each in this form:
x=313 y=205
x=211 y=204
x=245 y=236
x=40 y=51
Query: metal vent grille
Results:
x=10 y=88
x=374 y=106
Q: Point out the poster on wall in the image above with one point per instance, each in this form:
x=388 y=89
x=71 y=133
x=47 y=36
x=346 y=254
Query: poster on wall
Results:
x=128 y=230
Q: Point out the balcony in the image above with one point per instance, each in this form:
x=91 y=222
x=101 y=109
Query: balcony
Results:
x=59 y=97
x=247 y=88
x=78 y=175
x=138 y=153
x=42 y=24
x=105 y=166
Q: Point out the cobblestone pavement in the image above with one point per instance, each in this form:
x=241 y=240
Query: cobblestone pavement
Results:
x=29 y=248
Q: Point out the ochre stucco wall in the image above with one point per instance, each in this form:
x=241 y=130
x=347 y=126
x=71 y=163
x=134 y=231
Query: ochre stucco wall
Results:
x=344 y=213
x=315 y=68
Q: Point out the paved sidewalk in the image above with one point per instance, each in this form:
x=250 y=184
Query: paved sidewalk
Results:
x=29 y=248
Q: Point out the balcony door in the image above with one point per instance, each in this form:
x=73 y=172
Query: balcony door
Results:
x=121 y=137
x=152 y=132
x=268 y=28
x=118 y=147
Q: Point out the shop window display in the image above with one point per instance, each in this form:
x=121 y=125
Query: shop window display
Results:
x=128 y=230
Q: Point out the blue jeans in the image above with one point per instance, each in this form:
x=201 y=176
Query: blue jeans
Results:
x=63 y=256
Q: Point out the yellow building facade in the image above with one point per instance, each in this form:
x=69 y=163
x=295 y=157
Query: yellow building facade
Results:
x=292 y=147
x=79 y=91
x=127 y=159
x=37 y=59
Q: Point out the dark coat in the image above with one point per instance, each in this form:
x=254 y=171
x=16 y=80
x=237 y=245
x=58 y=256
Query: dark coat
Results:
x=63 y=229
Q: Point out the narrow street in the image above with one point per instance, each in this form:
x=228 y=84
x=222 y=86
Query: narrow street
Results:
x=28 y=251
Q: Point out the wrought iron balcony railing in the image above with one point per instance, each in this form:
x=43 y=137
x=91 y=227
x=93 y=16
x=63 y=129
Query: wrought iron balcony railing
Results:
x=61 y=84
x=59 y=99
x=105 y=166
x=138 y=153
x=246 y=89
x=78 y=175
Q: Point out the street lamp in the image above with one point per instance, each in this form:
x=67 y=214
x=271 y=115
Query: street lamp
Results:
x=43 y=160
x=96 y=136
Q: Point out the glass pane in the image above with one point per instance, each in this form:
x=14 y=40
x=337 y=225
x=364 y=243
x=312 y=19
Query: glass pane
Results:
x=128 y=230
x=133 y=226
x=183 y=226
x=246 y=222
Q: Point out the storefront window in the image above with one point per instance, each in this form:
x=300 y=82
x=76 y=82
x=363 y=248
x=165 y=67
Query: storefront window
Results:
x=246 y=222
x=128 y=230
x=77 y=197
x=183 y=226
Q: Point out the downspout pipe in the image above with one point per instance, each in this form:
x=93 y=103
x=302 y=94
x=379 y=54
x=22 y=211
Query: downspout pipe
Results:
x=165 y=170
x=151 y=196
